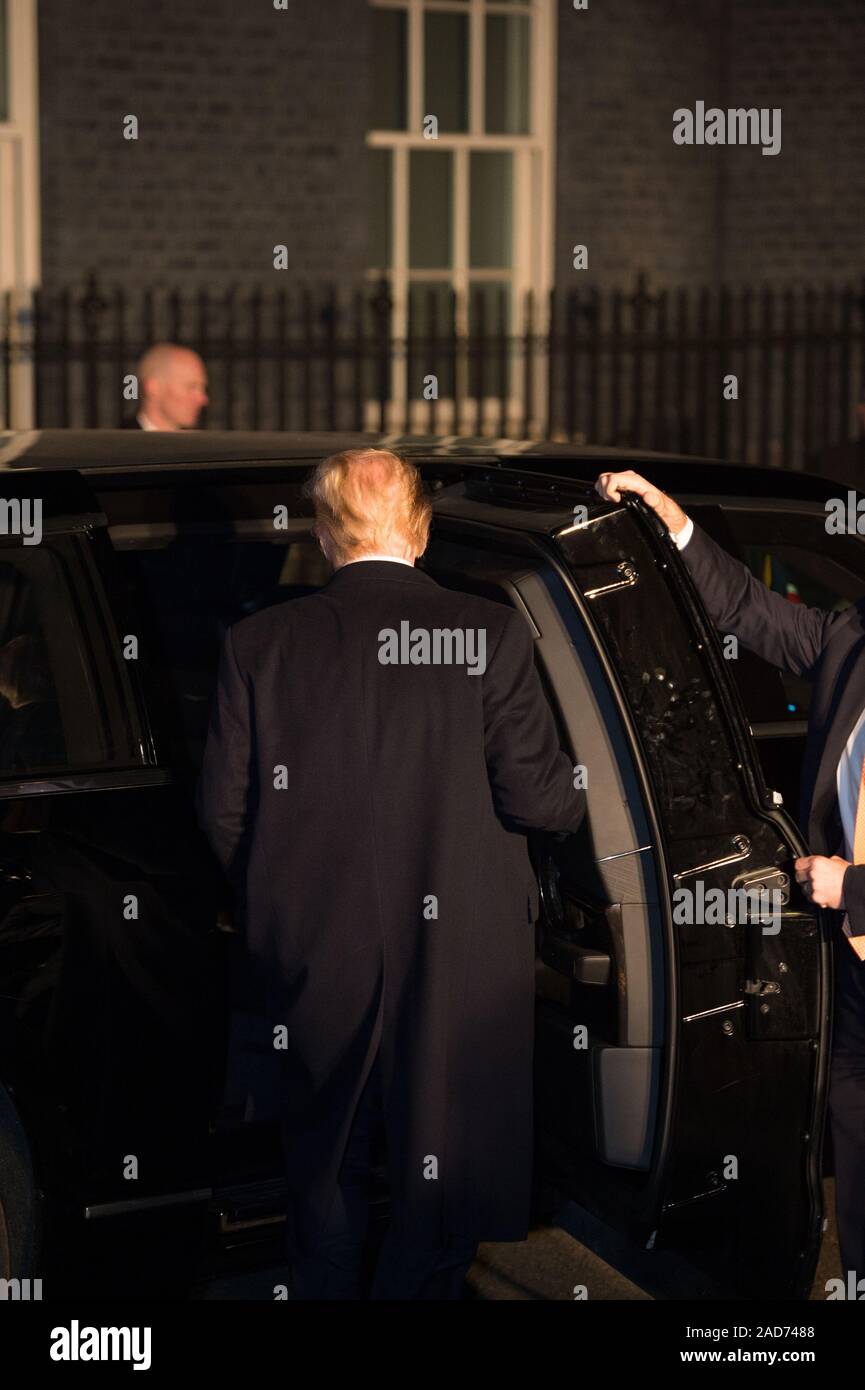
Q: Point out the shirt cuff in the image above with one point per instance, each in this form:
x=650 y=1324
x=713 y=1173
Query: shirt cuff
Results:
x=682 y=537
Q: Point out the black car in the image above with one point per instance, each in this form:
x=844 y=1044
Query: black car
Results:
x=681 y=1068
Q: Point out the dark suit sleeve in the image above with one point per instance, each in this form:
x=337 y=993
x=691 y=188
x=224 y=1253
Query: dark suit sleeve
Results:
x=789 y=635
x=223 y=794
x=532 y=780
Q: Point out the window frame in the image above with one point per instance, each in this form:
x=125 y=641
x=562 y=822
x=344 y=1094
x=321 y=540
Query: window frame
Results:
x=20 y=213
x=533 y=191
x=102 y=679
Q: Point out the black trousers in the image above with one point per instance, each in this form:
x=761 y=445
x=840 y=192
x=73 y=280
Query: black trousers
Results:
x=326 y=1262
x=847 y=1106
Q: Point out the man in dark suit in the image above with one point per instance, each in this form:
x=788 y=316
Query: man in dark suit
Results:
x=172 y=382
x=377 y=752
x=828 y=648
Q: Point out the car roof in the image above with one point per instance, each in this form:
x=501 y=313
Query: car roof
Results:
x=94 y=450
x=100 y=447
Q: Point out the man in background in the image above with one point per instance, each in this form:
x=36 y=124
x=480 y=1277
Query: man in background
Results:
x=172 y=388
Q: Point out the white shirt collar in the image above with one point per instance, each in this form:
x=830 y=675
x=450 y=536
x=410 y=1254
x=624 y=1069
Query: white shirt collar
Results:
x=144 y=422
x=397 y=560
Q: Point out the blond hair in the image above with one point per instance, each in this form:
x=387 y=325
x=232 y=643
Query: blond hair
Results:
x=367 y=500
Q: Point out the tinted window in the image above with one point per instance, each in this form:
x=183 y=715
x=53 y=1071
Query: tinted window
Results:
x=62 y=687
x=192 y=584
x=792 y=554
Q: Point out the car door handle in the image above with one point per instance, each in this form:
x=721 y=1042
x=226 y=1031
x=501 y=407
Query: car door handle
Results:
x=584 y=964
x=609 y=577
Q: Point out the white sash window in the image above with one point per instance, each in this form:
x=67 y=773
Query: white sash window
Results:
x=471 y=210
x=19 y=197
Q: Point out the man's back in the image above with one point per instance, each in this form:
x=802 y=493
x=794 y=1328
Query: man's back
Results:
x=388 y=880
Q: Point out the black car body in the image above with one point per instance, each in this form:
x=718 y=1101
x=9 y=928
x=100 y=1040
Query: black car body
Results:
x=680 y=1074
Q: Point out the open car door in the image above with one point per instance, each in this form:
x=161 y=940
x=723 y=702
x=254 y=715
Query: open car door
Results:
x=681 y=1026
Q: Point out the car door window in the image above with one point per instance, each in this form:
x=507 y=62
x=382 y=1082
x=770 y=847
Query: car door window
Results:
x=792 y=554
x=190 y=586
x=59 y=666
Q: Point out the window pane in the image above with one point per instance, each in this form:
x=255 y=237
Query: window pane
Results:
x=4 y=63
x=189 y=590
x=507 y=75
x=430 y=212
x=491 y=195
x=55 y=710
x=380 y=208
x=446 y=76
x=431 y=321
x=388 y=106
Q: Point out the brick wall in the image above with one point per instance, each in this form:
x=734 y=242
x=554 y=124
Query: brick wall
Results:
x=689 y=214
x=623 y=188
x=252 y=133
x=252 y=126
x=798 y=215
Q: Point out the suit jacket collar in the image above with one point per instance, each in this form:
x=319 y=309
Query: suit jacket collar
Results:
x=363 y=571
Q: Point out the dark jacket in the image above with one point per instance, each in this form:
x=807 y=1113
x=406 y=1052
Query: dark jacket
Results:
x=825 y=647
x=389 y=894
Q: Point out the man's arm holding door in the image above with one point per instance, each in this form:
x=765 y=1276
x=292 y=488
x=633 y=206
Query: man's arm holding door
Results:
x=789 y=635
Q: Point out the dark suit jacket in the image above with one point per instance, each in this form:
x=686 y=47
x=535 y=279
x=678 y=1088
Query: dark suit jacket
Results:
x=389 y=894
x=825 y=647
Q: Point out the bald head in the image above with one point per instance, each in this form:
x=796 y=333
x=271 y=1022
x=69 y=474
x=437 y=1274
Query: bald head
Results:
x=172 y=382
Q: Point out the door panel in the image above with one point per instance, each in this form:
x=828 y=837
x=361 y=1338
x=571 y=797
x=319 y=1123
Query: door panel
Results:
x=750 y=1043
x=706 y=1040
x=600 y=951
x=112 y=1007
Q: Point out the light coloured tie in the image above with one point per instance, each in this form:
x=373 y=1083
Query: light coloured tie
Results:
x=858 y=942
